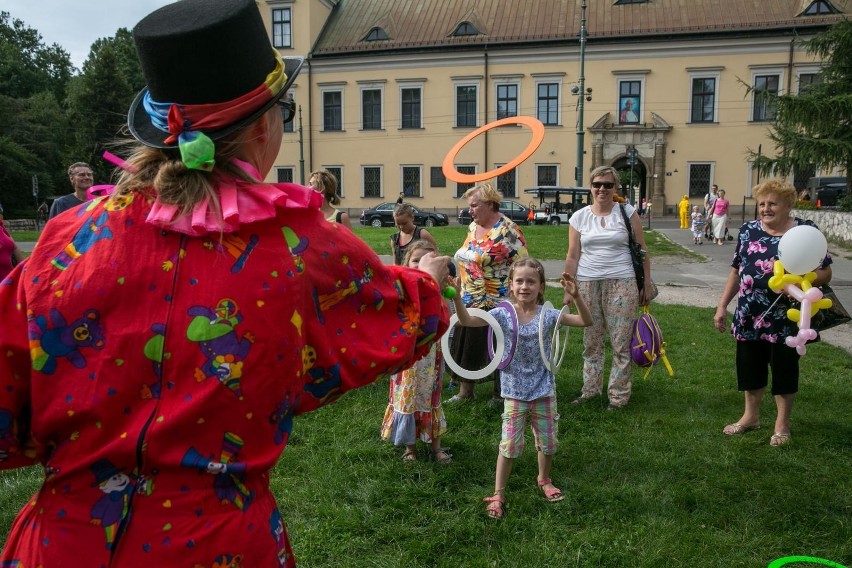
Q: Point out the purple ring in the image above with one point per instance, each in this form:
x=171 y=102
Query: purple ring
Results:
x=513 y=314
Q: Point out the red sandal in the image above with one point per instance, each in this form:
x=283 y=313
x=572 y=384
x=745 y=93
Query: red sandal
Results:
x=554 y=494
x=495 y=506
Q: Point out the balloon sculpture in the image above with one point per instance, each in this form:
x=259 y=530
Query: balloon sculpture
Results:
x=106 y=189
x=800 y=251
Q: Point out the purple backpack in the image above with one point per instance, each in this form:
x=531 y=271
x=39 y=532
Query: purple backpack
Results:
x=647 y=345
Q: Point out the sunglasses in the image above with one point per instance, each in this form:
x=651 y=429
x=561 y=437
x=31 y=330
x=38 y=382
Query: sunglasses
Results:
x=603 y=184
x=288 y=109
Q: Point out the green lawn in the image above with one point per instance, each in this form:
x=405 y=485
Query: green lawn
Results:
x=25 y=236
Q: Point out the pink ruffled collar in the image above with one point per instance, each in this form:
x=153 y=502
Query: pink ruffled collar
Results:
x=241 y=201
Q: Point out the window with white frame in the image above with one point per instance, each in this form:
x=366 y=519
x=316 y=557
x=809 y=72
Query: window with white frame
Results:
x=546 y=174
x=507 y=100
x=629 y=101
x=467 y=101
x=808 y=80
x=337 y=172
x=282 y=28
x=507 y=183
x=547 y=102
x=462 y=187
x=371 y=183
x=332 y=109
x=411 y=106
x=371 y=108
x=806 y=77
x=801 y=175
x=412 y=181
x=284 y=175
x=766 y=87
x=700 y=178
x=704 y=99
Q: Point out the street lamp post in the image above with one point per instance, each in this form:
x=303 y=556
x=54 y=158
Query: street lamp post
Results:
x=578 y=175
x=631 y=161
x=301 y=150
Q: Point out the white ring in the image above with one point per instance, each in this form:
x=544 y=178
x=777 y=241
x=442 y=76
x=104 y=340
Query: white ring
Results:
x=513 y=321
x=557 y=354
x=498 y=355
x=545 y=307
x=553 y=362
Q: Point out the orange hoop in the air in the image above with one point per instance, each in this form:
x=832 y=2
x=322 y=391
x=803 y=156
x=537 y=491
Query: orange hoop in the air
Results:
x=453 y=174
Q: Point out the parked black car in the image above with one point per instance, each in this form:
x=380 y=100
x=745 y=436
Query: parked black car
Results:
x=828 y=194
x=511 y=209
x=382 y=216
x=826 y=189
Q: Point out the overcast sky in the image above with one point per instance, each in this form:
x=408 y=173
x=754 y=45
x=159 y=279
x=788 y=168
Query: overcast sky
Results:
x=76 y=24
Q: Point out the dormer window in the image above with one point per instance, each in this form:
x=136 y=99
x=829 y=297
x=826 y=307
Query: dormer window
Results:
x=466 y=29
x=376 y=34
x=819 y=7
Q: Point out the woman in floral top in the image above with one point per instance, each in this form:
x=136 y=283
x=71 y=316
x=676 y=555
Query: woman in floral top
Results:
x=760 y=324
x=158 y=343
x=493 y=243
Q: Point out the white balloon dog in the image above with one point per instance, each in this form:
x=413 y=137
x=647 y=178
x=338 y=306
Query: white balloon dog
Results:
x=800 y=251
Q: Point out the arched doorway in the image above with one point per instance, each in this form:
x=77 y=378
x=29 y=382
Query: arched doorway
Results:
x=639 y=175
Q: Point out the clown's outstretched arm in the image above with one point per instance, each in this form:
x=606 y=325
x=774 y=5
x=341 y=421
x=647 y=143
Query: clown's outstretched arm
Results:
x=465 y=319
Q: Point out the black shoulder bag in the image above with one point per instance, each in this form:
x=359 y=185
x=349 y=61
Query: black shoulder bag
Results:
x=637 y=255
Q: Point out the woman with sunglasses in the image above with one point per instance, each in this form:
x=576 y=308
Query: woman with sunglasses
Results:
x=599 y=258
x=158 y=343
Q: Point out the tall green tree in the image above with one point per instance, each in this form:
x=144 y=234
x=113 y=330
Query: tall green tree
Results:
x=33 y=132
x=27 y=66
x=31 y=144
x=99 y=98
x=814 y=127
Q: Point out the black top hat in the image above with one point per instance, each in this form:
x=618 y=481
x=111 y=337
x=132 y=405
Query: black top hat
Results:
x=202 y=52
x=103 y=470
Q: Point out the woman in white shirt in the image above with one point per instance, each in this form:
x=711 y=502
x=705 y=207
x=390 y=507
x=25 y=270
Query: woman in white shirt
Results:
x=599 y=258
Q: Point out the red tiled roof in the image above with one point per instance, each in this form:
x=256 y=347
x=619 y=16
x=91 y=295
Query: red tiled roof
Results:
x=430 y=23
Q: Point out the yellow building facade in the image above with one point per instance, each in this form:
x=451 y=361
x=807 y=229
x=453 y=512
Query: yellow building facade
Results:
x=389 y=87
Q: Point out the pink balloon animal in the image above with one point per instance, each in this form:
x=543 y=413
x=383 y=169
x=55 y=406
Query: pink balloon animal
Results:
x=802 y=289
x=104 y=189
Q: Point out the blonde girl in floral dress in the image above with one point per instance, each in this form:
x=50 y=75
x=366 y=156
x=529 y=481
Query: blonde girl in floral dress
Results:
x=414 y=402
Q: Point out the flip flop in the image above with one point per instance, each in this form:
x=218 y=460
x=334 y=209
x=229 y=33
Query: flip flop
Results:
x=736 y=429
x=455 y=399
x=442 y=457
x=779 y=439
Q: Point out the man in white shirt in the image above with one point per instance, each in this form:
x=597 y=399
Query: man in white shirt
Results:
x=709 y=200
